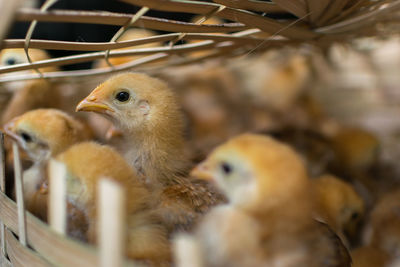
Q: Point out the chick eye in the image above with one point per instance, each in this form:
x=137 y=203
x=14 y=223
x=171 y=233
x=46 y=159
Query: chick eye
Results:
x=354 y=216
x=27 y=138
x=226 y=168
x=11 y=61
x=122 y=96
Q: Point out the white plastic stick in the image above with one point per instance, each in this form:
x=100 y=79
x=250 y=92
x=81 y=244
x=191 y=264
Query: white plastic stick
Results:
x=111 y=216
x=57 y=197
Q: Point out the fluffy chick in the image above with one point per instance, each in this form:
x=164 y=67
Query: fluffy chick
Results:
x=268 y=221
x=43 y=133
x=86 y=164
x=338 y=205
x=148 y=114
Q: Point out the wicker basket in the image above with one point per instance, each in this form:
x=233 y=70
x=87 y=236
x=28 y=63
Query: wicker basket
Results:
x=253 y=28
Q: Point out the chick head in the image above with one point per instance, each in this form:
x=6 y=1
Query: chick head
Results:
x=339 y=203
x=132 y=101
x=13 y=56
x=255 y=171
x=45 y=132
x=356 y=148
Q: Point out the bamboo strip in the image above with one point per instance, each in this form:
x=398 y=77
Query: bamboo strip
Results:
x=111 y=223
x=84 y=73
x=245 y=17
x=57 y=197
x=4 y=262
x=79 y=46
x=296 y=7
x=317 y=7
x=19 y=191
x=334 y=9
x=358 y=21
x=44 y=241
x=117 y=19
x=96 y=55
x=123 y=29
x=261 y=6
x=22 y=256
x=47 y=4
x=3 y=190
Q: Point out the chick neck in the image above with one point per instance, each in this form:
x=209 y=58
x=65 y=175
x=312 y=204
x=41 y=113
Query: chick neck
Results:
x=156 y=148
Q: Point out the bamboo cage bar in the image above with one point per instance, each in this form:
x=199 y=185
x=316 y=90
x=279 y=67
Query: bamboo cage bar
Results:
x=111 y=207
x=19 y=192
x=108 y=18
x=57 y=197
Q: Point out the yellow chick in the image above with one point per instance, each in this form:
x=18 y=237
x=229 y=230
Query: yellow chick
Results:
x=43 y=133
x=338 y=205
x=148 y=114
x=268 y=221
x=86 y=164
x=153 y=128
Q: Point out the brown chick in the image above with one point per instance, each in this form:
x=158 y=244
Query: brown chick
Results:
x=146 y=111
x=86 y=164
x=268 y=221
x=338 y=205
x=43 y=133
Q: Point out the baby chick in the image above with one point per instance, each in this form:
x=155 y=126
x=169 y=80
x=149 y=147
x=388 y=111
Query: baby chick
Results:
x=147 y=113
x=338 y=205
x=268 y=221
x=43 y=133
x=86 y=164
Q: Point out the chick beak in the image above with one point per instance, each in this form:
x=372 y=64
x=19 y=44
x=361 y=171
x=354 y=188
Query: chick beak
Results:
x=10 y=133
x=203 y=172
x=91 y=103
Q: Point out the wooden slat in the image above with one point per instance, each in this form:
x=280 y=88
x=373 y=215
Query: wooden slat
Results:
x=3 y=251
x=260 y=6
x=22 y=256
x=117 y=19
x=251 y=19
